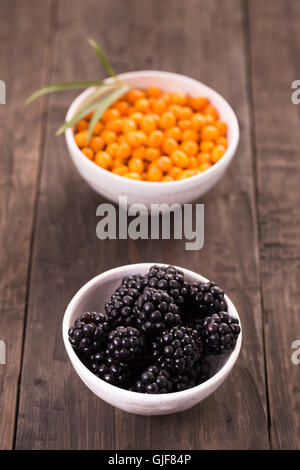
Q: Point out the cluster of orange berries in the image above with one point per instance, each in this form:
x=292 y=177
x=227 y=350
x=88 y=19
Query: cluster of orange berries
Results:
x=151 y=135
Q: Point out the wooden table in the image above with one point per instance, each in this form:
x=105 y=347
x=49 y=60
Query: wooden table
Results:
x=250 y=52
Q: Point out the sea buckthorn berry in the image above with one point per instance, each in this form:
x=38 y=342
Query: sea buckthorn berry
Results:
x=116 y=125
x=179 y=98
x=154 y=92
x=167 y=179
x=136 y=117
x=108 y=137
x=198 y=121
x=103 y=159
x=184 y=124
x=210 y=110
x=148 y=124
x=142 y=105
x=134 y=95
x=179 y=158
x=112 y=149
x=164 y=163
x=142 y=136
x=154 y=173
x=167 y=120
x=203 y=157
x=89 y=115
x=187 y=174
x=185 y=113
x=169 y=145
x=96 y=143
x=175 y=109
x=189 y=134
x=217 y=153
x=128 y=125
x=206 y=146
x=189 y=147
x=110 y=113
x=139 y=152
x=133 y=176
x=82 y=125
x=121 y=139
x=209 y=133
x=174 y=132
x=159 y=106
x=88 y=152
x=193 y=163
x=133 y=138
x=136 y=165
x=222 y=141
x=222 y=127
x=198 y=103
x=120 y=170
x=81 y=138
x=210 y=120
x=151 y=154
x=204 y=166
x=124 y=151
x=123 y=107
x=156 y=138
x=166 y=97
x=97 y=128
x=175 y=172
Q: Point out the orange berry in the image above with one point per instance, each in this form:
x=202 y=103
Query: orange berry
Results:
x=88 y=152
x=189 y=147
x=148 y=124
x=133 y=138
x=151 y=154
x=179 y=158
x=209 y=120
x=198 y=121
x=179 y=98
x=199 y=102
x=184 y=124
x=96 y=144
x=112 y=149
x=222 y=127
x=81 y=138
x=167 y=120
x=108 y=137
x=187 y=174
x=136 y=117
x=203 y=157
x=164 y=163
x=142 y=105
x=210 y=110
x=169 y=145
x=134 y=95
x=139 y=153
x=103 y=159
x=122 y=139
x=123 y=107
x=154 y=91
x=89 y=116
x=185 y=113
x=206 y=146
x=136 y=165
x=116 y=125
x=154 y=173
x=124 y=151
x=175 y=109
x=132 y=175
x=142 y=137
x=110 y=113
x=222 y=141
x=167 y=179
x=97 y=128
x=155 y=139
x=166 y=97
x=82 y=125
x=209 y=133
x=189 y=134
x=120 y=170
x=159 y=106
x=174 y=133
x=193 y=163
x=128 y=125
x=204 y=166
x=175 y=172
x=217 y=153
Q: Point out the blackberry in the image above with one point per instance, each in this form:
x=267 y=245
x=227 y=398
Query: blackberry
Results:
x=120 y=306
x=170 y=280
x=178 y=349
x=115 y=374
x=89 y=333
x=195 y=376
x=156 y=311
x=205 y=298
x=153 y=380
x=125 y=344
x=135 y=282
x=219 y=332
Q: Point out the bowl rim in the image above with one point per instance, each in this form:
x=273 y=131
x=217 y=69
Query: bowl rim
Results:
x=223 y=162
x=144 y=397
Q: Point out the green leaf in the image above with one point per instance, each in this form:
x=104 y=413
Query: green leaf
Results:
x=102 y=58
x=104 y=103
x=64 y=86
x=89 y=105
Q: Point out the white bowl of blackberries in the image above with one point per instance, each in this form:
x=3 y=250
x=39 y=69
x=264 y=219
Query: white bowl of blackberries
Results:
x=152 y=339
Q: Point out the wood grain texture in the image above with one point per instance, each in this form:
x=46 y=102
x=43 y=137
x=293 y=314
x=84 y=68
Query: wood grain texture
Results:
x=56 y=410
x=274 y=67
x=21 y=30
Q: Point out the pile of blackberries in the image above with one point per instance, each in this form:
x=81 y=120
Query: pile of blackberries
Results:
x=156 y=333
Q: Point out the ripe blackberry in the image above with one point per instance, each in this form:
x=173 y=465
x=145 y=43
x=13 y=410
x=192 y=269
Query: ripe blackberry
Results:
x=89 y=333
x=115 y=374
x=135 y=282
x=170 y=280
x=120 y=306
x=219 y=332
x=156 y=311
x=125 y=344
x=178 y=349
x=153 y=380
x=205 y=298
x=195 y=376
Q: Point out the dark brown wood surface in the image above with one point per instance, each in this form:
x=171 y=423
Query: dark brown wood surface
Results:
x=248 y=52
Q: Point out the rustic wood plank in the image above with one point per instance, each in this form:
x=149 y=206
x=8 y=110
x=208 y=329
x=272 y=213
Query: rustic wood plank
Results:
x=56 y=410
x=23 y=28
x=274 y=67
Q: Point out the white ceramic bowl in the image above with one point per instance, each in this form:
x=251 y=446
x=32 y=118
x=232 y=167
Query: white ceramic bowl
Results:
x=111 y=186
x=93 y=296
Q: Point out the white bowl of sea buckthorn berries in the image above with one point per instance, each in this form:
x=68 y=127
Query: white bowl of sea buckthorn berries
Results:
x=169 y=139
